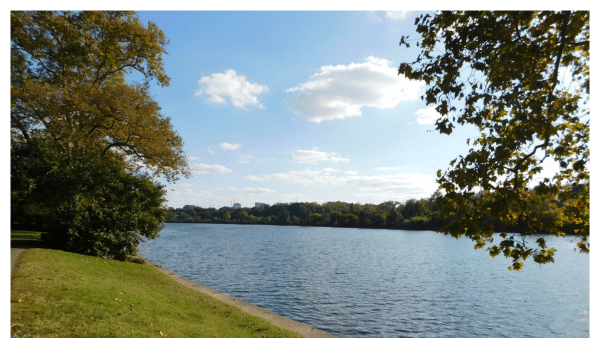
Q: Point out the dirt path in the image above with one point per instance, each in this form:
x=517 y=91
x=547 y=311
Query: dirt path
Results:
x=17 y=246
x=14 y=254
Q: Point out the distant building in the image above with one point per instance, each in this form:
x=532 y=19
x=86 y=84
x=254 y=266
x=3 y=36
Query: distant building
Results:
x=258 y=205
x=237 y=206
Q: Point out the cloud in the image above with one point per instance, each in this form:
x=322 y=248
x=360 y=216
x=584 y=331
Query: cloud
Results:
x=427 y=115
x=210 y=151
x=229 y=146
x=240 y=91
x=178 y=197
x=245 y=158
x=416 y=185
x=193 y=158
x=337 y=92
x=388 y=168
x=396 y=15
x=315 y=156
x=203 y=169
x=251 y=190
x=371 y=15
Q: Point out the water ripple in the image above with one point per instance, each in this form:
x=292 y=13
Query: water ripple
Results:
x=381 y=283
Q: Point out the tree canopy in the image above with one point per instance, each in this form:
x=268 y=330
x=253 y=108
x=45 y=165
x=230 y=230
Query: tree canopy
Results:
x=86 y=140
x=521 y=78
x=68 y=84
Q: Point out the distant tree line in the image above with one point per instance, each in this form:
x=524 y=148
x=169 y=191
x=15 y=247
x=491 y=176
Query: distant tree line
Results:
x=414 y=214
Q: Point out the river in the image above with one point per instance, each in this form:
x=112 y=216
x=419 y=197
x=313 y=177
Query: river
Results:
x=382 y=283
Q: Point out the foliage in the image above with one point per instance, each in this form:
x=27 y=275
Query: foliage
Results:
x=90 y=205
x=68 y=84
x=521 y=78
x=394 y=219
x=86 y=144
x=355 y=215
x=415 y=208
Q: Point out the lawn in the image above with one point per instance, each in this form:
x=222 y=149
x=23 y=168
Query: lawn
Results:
x=60 y=294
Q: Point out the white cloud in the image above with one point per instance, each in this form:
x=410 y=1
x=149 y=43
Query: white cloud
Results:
x=245 y=158
x=229 y=146
x=203 y=169
x=371 y=15
x=396 y=15
x=315 y=156
x=193 y=158
x=240 y=91
x=252 y=190
x=416 y=185
x=177 y=197
x=427 y=115
x=337 y=92
x=388 y=168
x=210 y=151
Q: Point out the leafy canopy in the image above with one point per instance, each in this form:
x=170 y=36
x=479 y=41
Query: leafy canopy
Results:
x=522 y=78
x=86 y=141
x=89 y=203
x=68 y=84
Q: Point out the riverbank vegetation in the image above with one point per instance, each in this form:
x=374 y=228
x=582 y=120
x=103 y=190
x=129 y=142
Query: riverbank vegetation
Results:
x=60 y=294
x=421 y=214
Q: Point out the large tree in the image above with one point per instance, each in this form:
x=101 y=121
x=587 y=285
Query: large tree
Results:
x=68 y=83
x=521 y=78
x=78 y=117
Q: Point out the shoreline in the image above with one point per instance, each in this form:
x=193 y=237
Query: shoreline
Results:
x=290 y=324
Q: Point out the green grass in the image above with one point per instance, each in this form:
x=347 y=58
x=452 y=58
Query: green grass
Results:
x=60 y=294
x=25 y=234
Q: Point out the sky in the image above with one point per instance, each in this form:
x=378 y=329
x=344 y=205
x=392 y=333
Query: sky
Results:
x=306 y=106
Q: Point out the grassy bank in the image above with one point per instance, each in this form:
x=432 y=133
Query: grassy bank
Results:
x=60 y=294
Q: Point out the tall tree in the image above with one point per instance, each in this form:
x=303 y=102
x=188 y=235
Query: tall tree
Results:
x=77 y=119
x=68 y=84
x=522 y=78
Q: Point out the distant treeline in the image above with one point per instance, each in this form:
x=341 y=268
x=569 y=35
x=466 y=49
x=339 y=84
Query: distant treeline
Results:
x=422 y=214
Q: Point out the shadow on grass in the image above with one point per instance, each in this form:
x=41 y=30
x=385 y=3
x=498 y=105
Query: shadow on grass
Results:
x=26 y=243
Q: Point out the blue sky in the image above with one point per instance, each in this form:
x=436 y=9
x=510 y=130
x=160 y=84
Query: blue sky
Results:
x=298 y=106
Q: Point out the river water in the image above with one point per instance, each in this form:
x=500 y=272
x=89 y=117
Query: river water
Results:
x=382 y=283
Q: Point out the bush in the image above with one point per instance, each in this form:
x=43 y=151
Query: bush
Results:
x=88 y=204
